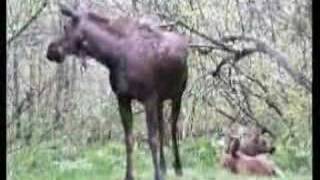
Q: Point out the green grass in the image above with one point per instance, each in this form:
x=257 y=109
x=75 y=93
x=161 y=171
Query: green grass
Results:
x=106 y=162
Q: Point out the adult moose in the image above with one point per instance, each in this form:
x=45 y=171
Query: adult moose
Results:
x=148 y=65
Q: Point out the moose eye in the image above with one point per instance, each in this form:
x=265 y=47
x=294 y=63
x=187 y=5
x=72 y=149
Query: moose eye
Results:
x=64 y=28
x=79 y=44
x=264 y=143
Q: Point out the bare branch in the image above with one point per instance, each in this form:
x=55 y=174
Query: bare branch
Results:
x=191 y=29
x=28 y=23
x=281 y=58
x=236 y=57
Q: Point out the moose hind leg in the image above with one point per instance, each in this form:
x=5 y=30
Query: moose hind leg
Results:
x=126 y=118
x=176 y=106
x=161 y=137
x=152 y=125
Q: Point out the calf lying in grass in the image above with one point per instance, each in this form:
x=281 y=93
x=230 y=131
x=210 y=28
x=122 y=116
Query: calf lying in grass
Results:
x=240 y=163
x=254 y=143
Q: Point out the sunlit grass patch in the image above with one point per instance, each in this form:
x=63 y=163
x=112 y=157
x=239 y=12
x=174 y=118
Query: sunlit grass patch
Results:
x=199 y=159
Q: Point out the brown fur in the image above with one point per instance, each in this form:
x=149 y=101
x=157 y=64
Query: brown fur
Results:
x=253 y=144
x=146 y=64
x=240 y=163
x=123 y=26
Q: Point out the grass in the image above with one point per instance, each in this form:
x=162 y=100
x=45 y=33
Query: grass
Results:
x=106 y=162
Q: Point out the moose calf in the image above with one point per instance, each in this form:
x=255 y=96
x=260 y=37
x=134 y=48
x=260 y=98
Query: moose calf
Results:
x=240 y=163
x=252 y=145
x=256 y=144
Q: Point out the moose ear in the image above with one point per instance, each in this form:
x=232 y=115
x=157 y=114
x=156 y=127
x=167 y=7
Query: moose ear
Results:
x=82 y=7
x=234 y=147
x=66 y=11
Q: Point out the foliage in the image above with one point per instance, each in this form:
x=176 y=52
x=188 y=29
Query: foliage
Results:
x=107 y=162
x=63 y=123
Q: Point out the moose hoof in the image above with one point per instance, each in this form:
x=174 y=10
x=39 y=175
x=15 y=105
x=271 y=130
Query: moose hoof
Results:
x=179 y=172
x=129 y=178
x=163 y=168
x=177 y=169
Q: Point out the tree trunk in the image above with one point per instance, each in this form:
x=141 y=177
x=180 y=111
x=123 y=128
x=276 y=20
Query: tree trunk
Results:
x=16 y=96
x=29 y=124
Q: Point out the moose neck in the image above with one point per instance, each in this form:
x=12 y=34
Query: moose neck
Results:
x=102 y=45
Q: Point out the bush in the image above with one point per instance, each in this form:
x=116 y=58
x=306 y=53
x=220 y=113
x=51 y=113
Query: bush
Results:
x=294 y=158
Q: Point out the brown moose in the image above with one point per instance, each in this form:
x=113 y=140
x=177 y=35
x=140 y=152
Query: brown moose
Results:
x=240 y=163
x=256 y=144
x=252 y=144
x=145 y=64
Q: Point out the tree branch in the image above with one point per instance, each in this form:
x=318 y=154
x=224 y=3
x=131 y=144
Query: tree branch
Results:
x=28 y=23
x=281 y=58
x=260 y=47
x=191 y=29
x=236 y=57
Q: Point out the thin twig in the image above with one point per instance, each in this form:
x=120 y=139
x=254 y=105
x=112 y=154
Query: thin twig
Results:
x=28 y=23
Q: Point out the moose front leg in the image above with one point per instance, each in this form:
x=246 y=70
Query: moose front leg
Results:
x=126 y=117
x=152 y=125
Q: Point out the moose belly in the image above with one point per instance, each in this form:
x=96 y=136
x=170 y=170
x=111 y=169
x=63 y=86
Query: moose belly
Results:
x=142 y=85
x=170 y=85
x=131 y=86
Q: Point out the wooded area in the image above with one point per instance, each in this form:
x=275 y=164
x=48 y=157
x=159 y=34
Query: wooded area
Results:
x=249 y=64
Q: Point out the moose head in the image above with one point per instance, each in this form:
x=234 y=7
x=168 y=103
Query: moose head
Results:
x=72 y=41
